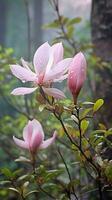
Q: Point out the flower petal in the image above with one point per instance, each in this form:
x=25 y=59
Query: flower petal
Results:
x=57 y=50
x=36 y=140
x=27 y=132
x=24 y=64
x=37 y=127
x=77 y=73
x=22 y=73
x=58 y=94
x=48 y=142
x=55 y=55
x=23 y=91
x=20 y=143
x=61 y=78
x=41 y=58
x=58 y=70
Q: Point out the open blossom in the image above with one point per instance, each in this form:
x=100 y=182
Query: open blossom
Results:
x=33 y=136
x=77 y=75
x=49 y=67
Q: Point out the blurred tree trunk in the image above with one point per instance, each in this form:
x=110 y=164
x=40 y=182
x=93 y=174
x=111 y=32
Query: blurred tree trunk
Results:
x=3 y=10
x=101 y=24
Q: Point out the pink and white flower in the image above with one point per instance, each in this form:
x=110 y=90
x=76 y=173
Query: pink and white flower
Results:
x=77 y=74
x=49 y=67
x=33 y=136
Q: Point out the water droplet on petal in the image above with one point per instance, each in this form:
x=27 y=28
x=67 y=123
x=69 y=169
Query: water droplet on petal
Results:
x=23 y=81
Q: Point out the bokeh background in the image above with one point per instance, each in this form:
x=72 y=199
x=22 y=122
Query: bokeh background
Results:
x=24 y=26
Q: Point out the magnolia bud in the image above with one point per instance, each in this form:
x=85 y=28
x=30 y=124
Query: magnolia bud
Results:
x=77 y=75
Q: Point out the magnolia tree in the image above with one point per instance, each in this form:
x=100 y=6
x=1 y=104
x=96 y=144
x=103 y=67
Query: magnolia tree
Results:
x=86 y=162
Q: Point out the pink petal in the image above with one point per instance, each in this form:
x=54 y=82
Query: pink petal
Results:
x=23 y=91
x=21 y=143
x=50 y=63
x=58 y=94
x=25 y=63
x=36 y=140
x=37 y=127
x=57 y=50
x=48 y=142
x=55 y=55
x=77 y=74
x=27 y=132
x=58 y=70
x=22 y=73
x=41 y=58
x=61 y=78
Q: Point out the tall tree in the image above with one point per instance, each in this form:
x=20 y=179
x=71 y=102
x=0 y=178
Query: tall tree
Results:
x=101 y=23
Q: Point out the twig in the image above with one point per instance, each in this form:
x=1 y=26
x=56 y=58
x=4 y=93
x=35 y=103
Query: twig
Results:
x=51 y=196
x=71 y=43
x=69 y=175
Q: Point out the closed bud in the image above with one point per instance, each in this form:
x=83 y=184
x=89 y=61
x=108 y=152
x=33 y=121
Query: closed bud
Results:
x=77 y=75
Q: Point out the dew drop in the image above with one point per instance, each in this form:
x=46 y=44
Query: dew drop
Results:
x=23 y=81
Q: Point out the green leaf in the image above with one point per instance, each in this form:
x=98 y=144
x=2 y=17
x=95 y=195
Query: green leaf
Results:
x=85 y=112
x=108 y=171
x=7 y=172
x=98 y=105
x=22 y=159
x=23 y=177
x=34 y=191
x=4 y=182
x=70 y=31
x=25 y=185
x=74 y=118
x=84 y=126
x=102 y=126
x=74 y=21
x=56 y=23
x=14 y=189
x=41 y=107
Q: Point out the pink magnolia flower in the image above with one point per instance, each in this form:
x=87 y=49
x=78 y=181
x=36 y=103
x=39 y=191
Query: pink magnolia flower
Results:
x=49 y=67
x=33 y=136
x=77 y=75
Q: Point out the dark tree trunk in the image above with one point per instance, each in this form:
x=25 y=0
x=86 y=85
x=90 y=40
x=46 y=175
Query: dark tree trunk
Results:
x=101 y=20
x=3 y=11
x=34 y=24
x=101 y=23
